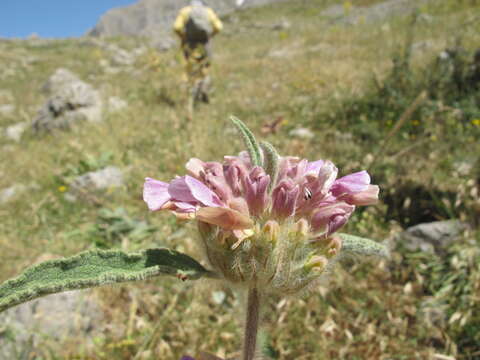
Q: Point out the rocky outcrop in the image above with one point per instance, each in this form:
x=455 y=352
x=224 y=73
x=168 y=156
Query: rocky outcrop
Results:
x=70 y=100
x=51 y=320
x=434 y=237
x=154 y=18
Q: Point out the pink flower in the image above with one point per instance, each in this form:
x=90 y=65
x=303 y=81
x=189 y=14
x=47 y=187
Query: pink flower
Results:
x=235 y=196
x=263 y=219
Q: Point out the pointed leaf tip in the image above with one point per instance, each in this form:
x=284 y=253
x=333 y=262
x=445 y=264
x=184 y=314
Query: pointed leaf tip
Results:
x=271 y=160
x=250 y=142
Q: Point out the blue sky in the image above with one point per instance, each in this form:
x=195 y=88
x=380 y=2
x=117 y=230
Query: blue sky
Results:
x=52 y=18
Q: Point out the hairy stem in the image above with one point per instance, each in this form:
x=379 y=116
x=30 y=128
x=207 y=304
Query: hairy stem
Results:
x=251 y=325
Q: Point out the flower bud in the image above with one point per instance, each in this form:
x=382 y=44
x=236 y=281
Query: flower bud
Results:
x=271 y=229
x=334 y=246
x=301 y=228
x=316 y=263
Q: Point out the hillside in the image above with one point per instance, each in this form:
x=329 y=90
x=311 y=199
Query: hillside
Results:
x=371 y=87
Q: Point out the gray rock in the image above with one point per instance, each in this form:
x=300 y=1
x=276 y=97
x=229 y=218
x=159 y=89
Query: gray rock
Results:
x=10 y=193
x=106 y=178
x=464 y=168
x=59 y=80
x=121 y=57
x=15 y=191
x=163 y=44
x=282 y=25
x=15 y=132
x=302 y=133
x=432 y=237
x=218 y=297
x=51 y=320
x=70 y=100
x=7 y=109
x=374 y=13
x=117 y=55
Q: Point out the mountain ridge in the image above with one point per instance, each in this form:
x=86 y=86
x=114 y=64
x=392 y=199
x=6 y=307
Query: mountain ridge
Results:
x=153 y=18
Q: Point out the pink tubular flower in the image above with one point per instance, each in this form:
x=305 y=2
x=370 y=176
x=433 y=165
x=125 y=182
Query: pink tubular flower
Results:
x=262 y=217
x=239 y=192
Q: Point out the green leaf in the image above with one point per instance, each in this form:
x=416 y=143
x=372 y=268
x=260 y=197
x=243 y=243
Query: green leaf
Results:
x=271 y=166
x=361 y=246
x=249 y=140
x=96 y=268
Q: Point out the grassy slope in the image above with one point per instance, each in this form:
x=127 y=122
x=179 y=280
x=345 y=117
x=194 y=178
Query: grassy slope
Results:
x=364 y=315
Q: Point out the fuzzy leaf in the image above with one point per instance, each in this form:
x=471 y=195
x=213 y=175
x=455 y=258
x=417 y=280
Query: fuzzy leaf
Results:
x=249 y=140
x=271 y=159
x=361 y=246
x=96 y=268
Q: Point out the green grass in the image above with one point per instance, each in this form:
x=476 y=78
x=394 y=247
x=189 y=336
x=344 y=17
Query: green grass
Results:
x=325 y=69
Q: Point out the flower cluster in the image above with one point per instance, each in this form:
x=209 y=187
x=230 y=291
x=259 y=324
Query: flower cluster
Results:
x=274 y=229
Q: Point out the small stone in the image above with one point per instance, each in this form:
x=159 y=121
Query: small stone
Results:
x=10 y=193
x=302 y=133
x=109 y=177
x=15 y=132
x=121 y=57
x=7 y=109
x=463 y=168
x=163 y=43
x=218 y=297
x=282 y=25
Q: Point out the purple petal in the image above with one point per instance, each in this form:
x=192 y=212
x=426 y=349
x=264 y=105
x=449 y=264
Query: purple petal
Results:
x=190 y=190
x=337 y=222
x=284 y=199
x=179 y=190
x=314 y=167
x=201 y=192
x=352 y=183
x=256 y=192
x=219 y=186
x=366 y=197
x=186 y=357
x=155 y=193
x=331 y=217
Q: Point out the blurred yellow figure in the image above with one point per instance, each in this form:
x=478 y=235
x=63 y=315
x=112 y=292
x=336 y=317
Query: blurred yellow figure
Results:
x=196 y=24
